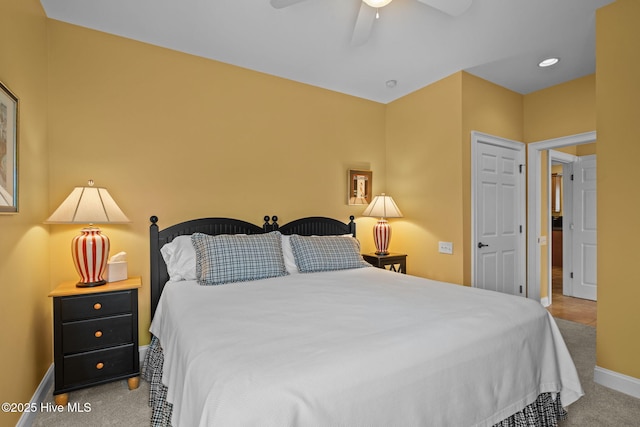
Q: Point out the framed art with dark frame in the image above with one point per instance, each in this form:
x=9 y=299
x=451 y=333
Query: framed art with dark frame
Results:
x=8 y=150
x=360 y=185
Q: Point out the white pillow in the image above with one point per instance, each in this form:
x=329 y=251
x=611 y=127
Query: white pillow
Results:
x=180 y=257
x=287 y=252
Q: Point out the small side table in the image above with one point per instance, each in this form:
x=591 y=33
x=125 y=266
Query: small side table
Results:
x=395 y=261
x=95 y=335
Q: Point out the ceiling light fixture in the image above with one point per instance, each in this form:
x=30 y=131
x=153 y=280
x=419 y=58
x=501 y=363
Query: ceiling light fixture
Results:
x=548 y=62
x=391 y=83
x=377 y=3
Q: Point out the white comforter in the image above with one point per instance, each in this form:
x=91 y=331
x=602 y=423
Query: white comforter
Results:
x=362 y=347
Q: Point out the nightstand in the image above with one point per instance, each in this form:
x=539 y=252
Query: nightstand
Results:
x=395 y=262
x=95 y=335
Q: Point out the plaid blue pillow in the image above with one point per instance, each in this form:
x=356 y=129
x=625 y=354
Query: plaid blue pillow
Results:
x=228 y=258
x=326 y=253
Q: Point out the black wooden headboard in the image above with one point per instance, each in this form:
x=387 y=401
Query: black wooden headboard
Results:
x=316 y=225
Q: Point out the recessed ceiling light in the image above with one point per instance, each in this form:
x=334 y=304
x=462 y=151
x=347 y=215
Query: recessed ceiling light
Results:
x=548 y=62
x=391 y=83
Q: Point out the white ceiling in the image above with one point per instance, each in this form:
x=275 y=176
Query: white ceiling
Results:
x=499 y=40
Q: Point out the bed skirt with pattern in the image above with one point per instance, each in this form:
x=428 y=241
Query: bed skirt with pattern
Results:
x=546 y=411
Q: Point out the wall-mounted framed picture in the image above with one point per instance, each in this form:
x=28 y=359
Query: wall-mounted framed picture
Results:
x=8 y=151
x=360 y=186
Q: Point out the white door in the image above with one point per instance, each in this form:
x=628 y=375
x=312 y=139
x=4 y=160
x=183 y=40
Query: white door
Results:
x=584 y=283
x=498 y=215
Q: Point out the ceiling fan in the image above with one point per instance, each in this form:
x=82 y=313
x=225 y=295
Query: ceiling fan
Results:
x=369 y=12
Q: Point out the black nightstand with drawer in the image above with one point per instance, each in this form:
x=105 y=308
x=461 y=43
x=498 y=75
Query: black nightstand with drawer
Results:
x=95 y=336
x=395 y=262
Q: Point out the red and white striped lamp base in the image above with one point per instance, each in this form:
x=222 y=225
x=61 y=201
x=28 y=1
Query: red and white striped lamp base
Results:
x=90 y=251
x=382 y=236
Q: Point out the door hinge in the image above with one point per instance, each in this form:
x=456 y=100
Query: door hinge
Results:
x=571 y=177
x=520 y=288
x=520 y=167
x=571 y=275
x=521 y=229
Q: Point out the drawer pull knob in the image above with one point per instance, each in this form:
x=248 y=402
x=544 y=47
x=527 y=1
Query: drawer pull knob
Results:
x=98 y=334
x=97 y=306
x=100 y=365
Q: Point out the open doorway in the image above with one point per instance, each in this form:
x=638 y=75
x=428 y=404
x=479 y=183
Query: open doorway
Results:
x=557 y=268
x=572 y=235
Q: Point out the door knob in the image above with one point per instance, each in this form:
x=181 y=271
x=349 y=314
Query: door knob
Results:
x=481 y=245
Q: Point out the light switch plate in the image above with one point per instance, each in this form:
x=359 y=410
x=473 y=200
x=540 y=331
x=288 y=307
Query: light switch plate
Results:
x=445 y=247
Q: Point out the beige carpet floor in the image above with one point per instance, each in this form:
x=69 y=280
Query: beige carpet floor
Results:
x=600 y=406
x=111 y=404
x=114 y=404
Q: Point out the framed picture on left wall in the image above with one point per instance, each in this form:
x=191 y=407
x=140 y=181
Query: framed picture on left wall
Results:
x=8 y=150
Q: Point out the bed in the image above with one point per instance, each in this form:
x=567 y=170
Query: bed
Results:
x=297 y=330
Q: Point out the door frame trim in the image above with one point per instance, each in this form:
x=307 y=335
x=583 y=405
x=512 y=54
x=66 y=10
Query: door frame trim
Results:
x=520 y=148
x=534 y=195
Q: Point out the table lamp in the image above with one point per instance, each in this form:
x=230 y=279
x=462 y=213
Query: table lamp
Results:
x=90 y=250
x=382 y=206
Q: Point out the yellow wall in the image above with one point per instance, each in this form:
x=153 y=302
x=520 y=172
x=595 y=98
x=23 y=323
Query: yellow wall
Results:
x=25 y=310
x=618 y=95
x=586 y=149
x=182 y=137
x=425 y=177
x=561 y=110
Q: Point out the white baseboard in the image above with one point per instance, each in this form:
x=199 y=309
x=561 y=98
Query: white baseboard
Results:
x=143 y=352
x=616 y=381
x=545 y=302
x=27 y=418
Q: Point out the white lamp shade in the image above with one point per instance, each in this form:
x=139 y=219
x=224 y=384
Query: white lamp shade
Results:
x=382 y=206
x=88 y=205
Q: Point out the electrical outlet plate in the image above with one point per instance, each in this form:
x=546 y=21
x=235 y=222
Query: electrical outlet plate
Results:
x=445 y=247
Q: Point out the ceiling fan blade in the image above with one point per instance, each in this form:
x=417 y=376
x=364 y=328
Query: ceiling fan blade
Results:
x=450 y=7
x=279 y=4
x=364 y=23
